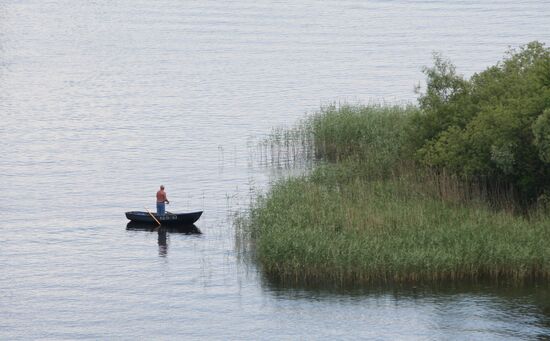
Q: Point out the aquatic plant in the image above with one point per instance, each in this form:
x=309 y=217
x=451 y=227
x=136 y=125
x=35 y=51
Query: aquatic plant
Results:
x=383 y=231
x=405 y=193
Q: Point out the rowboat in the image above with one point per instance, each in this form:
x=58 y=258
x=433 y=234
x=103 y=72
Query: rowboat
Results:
x=167 y=219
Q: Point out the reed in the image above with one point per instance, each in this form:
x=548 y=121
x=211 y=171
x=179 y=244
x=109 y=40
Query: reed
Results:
x=370 y=213
x=386 y=231
x=288 y=147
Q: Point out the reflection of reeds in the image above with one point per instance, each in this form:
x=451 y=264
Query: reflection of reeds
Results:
x=371 y=213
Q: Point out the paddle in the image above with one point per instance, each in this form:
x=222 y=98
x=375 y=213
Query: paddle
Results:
x=152 y=216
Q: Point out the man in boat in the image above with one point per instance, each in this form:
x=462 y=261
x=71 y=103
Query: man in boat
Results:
x=161 y=200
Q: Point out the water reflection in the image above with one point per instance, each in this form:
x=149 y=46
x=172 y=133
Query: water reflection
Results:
x=163 y=244
x=509 y=310
x=446 y=310
x=164 y=232
x=510 y=290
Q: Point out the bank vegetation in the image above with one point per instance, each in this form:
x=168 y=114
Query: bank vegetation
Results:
x=454 y=188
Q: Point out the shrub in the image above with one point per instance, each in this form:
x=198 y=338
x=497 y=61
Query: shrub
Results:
x=493 y=125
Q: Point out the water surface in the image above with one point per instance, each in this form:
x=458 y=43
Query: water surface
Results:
x=101 y=102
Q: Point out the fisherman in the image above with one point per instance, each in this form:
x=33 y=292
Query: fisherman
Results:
x=161 y=200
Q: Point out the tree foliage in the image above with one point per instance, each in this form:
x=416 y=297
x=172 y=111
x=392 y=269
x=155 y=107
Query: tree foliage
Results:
x=541 y=131
x=495 y=124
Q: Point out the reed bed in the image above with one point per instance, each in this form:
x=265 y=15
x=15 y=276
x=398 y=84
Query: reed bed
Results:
x=288 y=147
x=369 y=213
x=386 y=231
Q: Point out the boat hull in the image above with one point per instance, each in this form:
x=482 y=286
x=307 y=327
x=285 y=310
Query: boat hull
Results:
x=167 y=219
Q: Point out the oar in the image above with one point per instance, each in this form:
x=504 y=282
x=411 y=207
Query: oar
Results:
x=152 y=216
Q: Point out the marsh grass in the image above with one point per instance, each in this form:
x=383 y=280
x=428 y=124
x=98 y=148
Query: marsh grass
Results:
x=385 y=231
x=288 y=147
x=369 y=213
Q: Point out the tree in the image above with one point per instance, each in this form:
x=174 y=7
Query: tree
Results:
x=495 y=125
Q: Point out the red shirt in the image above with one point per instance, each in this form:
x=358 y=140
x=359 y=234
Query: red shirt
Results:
x=161 y=196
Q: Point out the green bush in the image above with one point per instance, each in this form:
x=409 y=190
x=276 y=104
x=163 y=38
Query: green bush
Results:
x=493 y=125
x=541 y=131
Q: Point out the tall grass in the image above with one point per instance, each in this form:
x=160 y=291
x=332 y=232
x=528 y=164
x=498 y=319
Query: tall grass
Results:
x=375 y=134
x=288 y=147
x=383 y=231
x=371 y=214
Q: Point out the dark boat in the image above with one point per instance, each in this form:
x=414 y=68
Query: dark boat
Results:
x=167 y=219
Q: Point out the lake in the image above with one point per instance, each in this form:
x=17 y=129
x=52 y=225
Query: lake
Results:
x=102 y=101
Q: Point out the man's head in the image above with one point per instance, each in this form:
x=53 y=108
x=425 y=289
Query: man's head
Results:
x=162 y=187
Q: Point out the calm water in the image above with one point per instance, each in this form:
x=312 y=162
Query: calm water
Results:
x=102 y=101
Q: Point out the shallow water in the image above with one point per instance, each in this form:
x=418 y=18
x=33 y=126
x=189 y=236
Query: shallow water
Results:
x=100 y=102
